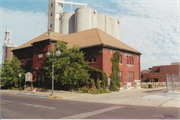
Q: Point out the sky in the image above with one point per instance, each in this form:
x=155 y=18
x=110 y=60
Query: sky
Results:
x=149 y=26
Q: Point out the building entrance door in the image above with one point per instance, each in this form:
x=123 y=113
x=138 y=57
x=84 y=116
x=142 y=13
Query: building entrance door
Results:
x=40 y=79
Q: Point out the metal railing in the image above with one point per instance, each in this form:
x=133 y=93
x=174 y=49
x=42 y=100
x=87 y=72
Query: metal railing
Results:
x=173 y=82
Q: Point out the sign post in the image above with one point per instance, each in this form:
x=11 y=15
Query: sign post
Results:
x=28 y=78
x=20 y=75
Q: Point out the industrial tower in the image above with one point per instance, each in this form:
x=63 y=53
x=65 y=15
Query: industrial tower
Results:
x=8 y=46
x=55 y=10
x=81 y=19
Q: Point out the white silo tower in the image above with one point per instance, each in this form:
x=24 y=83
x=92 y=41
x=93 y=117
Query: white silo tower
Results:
x=103 y=22
x=66 y=23
x=85 y=18
x=115 y=28
x=55 y=9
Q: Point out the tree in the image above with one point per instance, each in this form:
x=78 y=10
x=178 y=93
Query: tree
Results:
x=69 y=67
x=10 y=72
x=98 y=84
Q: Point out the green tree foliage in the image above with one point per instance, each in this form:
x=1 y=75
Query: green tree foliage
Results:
x=104 y=80
x=98 y=84
x=69 y=67
x=10 y=72
x=99 y=72
x=115 y=68
x=113 y=86
x=92 y=83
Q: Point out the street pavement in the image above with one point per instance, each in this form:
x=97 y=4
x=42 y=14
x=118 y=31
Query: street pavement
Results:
x=138 y=97
x=15 y=106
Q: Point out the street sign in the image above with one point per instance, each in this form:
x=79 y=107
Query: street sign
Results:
x=28 y=77
x=20 y=75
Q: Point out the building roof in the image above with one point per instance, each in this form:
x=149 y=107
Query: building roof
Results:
x=87 y=38
x=45 y=36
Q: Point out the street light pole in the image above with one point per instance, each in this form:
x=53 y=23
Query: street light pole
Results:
x=52 y=72
x=58 y=53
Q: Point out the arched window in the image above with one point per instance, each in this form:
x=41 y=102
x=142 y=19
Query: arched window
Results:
x=51 y=4
x=120 y=59
x=95 y=58
x=127 y=59
x=132 y=61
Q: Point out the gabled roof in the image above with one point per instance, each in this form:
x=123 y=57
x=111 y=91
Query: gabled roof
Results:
x=87 y=38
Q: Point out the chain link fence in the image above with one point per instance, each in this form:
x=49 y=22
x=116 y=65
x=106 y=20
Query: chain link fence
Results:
x=173 y=82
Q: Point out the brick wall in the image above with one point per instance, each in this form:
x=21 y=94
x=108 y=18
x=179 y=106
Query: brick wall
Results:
x=161 y=73
x=125 y=68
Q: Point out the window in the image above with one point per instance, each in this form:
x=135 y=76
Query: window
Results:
x=30 y=69
x=120 y=59
x=131 y=76
x=40 y=77
x=51 y=14
x=85 y=58
x=50 y=25
x=90 y=58
x=129 y=60
x=51 y=4
x=95 y=58
x=132 y=61
x=126 y=59
x=120 y=76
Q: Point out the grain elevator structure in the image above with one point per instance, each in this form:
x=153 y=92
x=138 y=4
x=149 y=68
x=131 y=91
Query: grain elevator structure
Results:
x=81 y=19
x=8 y=46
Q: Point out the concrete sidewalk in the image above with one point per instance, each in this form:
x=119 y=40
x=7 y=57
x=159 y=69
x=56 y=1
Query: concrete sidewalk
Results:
x=138 y=97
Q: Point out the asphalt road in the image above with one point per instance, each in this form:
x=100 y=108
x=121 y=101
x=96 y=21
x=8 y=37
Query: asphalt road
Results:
x=24 y=107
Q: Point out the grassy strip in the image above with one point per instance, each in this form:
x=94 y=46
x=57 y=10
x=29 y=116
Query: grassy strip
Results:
x=153 y=86
x=93 y=90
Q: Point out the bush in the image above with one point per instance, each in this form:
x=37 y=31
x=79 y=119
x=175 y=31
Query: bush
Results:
x=92 y=83
x=104 y=79
x=113 y=86
x=98 y=84
x=84 y=90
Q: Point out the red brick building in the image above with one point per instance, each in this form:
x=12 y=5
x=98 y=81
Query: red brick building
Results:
x=158 y=73
x=98 y=46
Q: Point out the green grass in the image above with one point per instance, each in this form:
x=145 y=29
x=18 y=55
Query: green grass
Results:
x=153 y=86
x=93 y=90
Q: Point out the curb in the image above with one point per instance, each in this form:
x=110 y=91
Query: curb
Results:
x=42 y=96
x=58 y=97
x=32 y=95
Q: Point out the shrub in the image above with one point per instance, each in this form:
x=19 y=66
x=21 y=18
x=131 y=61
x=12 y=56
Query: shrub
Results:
x=84 y=90
x=113 y=86
x=92 y=83
x=98 y=84
x=104 y=79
